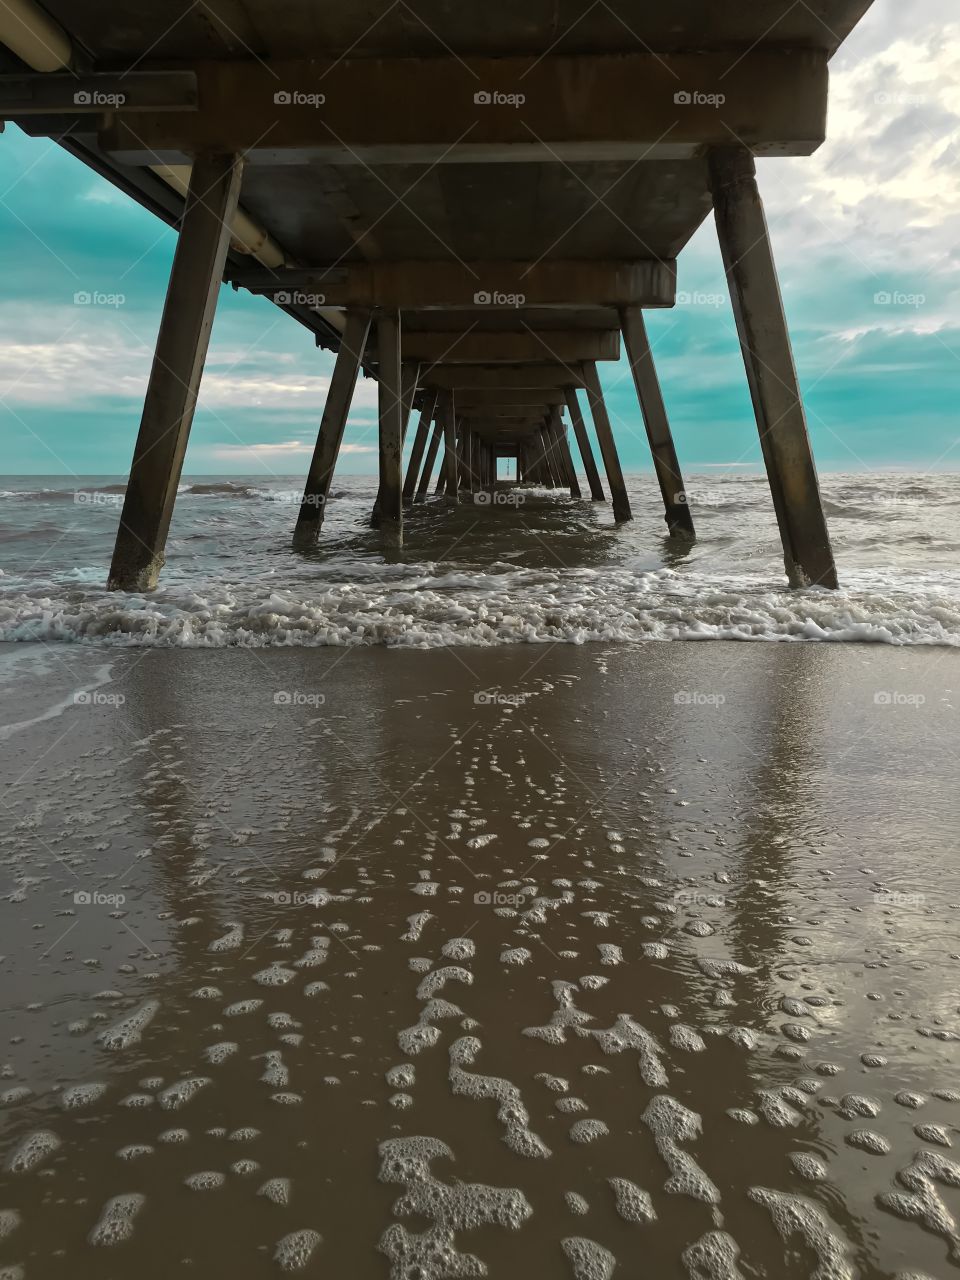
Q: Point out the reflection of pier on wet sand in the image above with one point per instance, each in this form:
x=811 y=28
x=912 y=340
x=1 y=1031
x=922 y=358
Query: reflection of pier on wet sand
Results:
x=473 y=209
x=317 y=958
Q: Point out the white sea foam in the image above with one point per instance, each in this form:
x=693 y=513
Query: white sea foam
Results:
x=427 y=607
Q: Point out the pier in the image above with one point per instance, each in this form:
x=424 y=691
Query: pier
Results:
x=474 y=208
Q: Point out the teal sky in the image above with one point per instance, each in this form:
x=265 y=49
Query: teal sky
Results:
x=875 y=212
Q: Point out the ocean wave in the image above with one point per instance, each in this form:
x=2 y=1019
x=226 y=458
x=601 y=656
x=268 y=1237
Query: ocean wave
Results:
x=572 y=607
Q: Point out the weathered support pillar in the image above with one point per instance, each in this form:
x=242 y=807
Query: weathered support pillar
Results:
x=465 y=448
x=451 y=476
x=554 y=460
x=419 y=444
x=678 y=515
x=544 y=446
x=181 y=350
x=608 y=447
x=332 y=424
x=563 y=447
x=583 y=444
x=390 y=404
x=409 y=377
x=432 y=452
x=771 y=373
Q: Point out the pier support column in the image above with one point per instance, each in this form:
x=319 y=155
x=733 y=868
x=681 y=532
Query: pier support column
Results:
x=771 y=373
x=544 y=469
x=181 y=350
x=466 y=449
x=451 y=478
x=409 y=377
x=677 y=511
x=559 y=430
x=583 y=444
x=608 y=447
x=549 y=466
x=419 y=444
x=332 y=424
x=432 y=451
x=391 y=410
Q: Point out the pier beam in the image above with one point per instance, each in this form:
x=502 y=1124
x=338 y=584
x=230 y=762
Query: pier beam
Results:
x=432 y=451
x=583 y=444
x=558 y=427
x=419 y=445
x=771 y=373
x=608 y=446
x=466 y=450
x=332 y=424
x=450 y=476
x=391 y=410
x=677 y=511
x=181 y=350
x=409 y=377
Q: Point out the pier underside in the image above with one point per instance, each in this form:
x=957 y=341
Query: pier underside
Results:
x=474 y=207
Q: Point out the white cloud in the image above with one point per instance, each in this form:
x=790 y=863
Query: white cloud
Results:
x=883 y=188
x=95 y=357
x=269 y=449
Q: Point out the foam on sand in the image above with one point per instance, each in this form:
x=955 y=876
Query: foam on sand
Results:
x=116 y=1221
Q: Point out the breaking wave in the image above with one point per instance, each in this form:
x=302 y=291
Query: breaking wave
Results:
x=427 y=609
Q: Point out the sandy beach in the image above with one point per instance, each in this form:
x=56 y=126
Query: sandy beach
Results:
x=528 y=958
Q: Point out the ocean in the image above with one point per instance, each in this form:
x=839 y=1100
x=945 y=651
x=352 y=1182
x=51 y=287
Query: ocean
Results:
x=531 y=566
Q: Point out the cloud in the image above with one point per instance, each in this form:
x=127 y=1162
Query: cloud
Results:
x=272 y=449
x=97 y=357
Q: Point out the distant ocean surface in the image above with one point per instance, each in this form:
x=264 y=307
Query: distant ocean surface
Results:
x=548 y=569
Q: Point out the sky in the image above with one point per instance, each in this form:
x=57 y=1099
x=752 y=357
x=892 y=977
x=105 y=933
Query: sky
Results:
x=865 y=234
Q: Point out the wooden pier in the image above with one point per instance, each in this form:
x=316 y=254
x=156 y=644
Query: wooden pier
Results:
x=472 y=204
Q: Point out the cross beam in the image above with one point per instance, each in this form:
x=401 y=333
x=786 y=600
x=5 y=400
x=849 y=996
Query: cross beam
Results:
x=485 y=377
x=481 y=285
x=567 y=107
x=508 y=347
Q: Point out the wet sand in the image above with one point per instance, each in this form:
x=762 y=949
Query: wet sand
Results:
x=540 y=959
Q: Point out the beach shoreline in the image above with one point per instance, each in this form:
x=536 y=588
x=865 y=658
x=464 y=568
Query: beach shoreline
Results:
x=257 y=869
